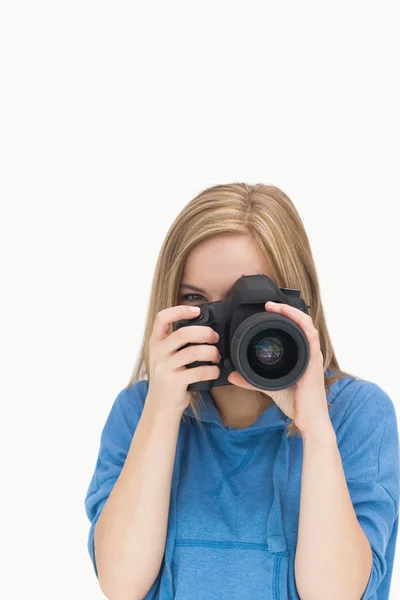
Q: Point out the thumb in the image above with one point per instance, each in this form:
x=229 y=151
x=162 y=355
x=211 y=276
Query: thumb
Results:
x=236 y=379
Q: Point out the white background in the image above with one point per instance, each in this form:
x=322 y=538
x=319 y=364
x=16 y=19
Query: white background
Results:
x=113 y=115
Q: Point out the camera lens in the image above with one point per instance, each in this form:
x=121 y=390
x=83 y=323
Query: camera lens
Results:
x=269 y=350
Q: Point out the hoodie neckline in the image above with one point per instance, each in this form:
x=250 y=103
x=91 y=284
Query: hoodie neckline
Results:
x=271 y=417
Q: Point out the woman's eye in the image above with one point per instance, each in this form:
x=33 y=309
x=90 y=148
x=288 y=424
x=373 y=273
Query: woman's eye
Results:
x=189 y=296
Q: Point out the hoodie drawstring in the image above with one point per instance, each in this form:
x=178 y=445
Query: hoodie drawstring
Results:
x=275 y=533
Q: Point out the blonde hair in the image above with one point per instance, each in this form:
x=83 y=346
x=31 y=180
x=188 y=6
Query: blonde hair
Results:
x=268 y=216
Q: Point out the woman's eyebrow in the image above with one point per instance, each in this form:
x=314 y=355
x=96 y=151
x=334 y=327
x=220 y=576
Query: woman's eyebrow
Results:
x=192 y=287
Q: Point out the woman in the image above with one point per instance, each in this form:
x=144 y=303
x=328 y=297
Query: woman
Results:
x=286 y=494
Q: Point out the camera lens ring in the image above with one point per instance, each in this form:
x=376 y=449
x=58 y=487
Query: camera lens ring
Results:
x=248 y=329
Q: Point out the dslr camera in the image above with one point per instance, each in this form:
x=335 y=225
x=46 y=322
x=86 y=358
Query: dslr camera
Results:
x=269 y=350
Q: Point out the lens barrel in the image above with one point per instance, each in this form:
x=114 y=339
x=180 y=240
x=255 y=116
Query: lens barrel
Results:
x=270 y=351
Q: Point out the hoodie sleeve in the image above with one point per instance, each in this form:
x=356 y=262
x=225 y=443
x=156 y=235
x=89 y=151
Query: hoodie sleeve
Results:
x=115 y=442
x=368 y=442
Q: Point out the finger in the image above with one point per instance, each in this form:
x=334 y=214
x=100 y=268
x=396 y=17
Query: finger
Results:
x=304 y=321
x=297 y=315
x=236 y=379
x=165 y=317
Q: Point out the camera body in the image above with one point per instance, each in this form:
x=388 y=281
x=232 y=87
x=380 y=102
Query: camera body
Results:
x=269 y=350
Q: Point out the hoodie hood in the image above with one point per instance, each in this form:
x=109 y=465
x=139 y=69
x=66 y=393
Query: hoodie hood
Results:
x=272 y=417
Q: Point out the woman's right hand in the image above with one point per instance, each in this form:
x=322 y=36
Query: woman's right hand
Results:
x=169 y=376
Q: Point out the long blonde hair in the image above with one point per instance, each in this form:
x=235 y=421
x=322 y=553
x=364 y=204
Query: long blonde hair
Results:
x=268 y=216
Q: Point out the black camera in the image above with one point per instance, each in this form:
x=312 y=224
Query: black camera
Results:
x=269 y=350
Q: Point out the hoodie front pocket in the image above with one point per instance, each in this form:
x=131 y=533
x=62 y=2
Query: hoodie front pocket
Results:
x=207 y=570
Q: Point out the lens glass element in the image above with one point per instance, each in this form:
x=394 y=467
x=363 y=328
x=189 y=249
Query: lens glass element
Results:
x=269 y=350
x=272 y=353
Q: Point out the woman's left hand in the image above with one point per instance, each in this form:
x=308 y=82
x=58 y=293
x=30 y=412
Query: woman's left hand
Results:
x=305 y=402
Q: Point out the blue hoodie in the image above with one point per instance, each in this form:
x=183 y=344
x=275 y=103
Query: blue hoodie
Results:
x=235 y=493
